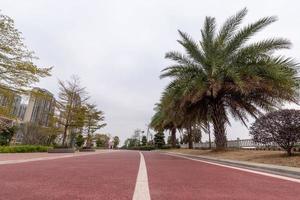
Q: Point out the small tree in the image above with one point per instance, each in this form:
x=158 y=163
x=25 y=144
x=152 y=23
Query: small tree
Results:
x=281 y=127
x=102 y=140
x=79 y=140
x=159 y=139
x=144 y=140
x=116 y=141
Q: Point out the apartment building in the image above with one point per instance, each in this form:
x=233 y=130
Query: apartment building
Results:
x=40 y=107
x=10 y=104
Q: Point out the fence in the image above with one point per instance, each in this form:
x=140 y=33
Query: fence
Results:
x=246 y=144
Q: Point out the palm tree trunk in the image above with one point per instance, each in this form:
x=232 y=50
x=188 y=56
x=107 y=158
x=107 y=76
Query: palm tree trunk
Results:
x=173 y=137
x=209 y=138
x=218 y=122
x=190 y=137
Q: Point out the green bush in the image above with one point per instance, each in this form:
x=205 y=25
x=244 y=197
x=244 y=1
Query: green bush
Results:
x=23 y=149
x=79 y=140
x=166 y=147
x=142 y=148
x=6 y=134
x=60 y=146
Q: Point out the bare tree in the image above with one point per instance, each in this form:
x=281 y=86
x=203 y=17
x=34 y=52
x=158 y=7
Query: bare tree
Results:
x=70 y=105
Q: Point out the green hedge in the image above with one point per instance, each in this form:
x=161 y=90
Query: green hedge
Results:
x=143 y=148
x=170 y=147
x=23 y=149
x=149 y=148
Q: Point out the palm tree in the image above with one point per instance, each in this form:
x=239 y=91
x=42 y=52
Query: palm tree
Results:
x=225 y=74
x=171 y=116
x=161 y=122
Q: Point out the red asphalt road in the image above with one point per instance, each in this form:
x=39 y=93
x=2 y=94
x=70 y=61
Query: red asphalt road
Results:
x=113 y=176
x=178 y=178
x=102 y=176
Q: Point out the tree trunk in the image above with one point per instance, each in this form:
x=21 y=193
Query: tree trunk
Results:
x=190 y=138
x=289 y=151
x=64 y=135
x=209 y=138
x=173 y=137
x=218 y=121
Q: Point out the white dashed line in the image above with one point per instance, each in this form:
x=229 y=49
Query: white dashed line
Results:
x=141 y=191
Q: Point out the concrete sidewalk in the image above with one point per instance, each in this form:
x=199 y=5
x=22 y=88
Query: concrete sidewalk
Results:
x=292 y=172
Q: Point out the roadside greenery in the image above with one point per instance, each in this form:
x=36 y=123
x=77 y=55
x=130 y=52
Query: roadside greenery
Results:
x=79 y=140
x=281 y=127
x=6 y=133
x=23 y=149
x=116 y=141
x=225 y=74
x=158 y=142
x=17 y=68
x=102 y=140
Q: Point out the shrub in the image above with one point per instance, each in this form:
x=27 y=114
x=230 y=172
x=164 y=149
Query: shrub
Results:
x=60 y=146
x=79 y=140
x=89 y=147
x=34 y=134
x=23 y=149
x=281 y=127
x=143 y=148
x=6 y=134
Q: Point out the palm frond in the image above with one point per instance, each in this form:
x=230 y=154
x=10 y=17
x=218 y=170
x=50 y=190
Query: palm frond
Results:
x=230 y=26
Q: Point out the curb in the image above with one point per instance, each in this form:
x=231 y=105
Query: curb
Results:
x=292 y=172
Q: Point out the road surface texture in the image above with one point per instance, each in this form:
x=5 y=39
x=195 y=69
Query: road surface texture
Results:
x=133 y=175
x=179 y=178
x=102 y=176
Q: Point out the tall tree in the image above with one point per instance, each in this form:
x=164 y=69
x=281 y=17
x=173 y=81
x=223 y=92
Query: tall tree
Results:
x=17 y=69
x=93 y=121
x=71 y=106
x=226 y=74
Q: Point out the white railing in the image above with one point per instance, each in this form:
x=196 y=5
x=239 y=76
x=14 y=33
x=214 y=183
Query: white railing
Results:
x=246 y=143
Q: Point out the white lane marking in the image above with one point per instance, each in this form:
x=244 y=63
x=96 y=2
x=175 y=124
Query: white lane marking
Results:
x=5 y=162
x=241 y=169
x=141 y=190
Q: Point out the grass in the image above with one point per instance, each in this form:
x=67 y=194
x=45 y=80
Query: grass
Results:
x=23 y=149
x=266 y=157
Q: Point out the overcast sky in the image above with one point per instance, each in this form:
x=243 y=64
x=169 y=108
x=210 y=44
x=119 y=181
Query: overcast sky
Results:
x=117 y=47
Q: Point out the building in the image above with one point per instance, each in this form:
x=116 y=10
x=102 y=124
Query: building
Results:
x=22 y=110
x=40 y=107
x=10 y=102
